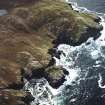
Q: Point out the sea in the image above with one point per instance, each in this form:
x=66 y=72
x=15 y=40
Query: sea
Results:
x=93 y=5
x=85 y=84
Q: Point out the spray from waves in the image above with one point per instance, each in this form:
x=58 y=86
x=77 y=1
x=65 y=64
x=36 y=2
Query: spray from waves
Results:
x=77 y=61
x=40 y=91
x=76 y=7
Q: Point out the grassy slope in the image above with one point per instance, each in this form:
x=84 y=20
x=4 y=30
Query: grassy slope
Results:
x=33 y=27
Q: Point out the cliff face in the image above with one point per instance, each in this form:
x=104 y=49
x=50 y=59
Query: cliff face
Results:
x=30 y=29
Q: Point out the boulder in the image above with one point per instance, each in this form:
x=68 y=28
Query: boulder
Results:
x=55 y=76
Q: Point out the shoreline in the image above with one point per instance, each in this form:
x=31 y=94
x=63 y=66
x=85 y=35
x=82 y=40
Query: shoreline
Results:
x=42 y=33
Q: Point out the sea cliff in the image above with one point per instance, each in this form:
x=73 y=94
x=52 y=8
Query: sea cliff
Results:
x=30 y=33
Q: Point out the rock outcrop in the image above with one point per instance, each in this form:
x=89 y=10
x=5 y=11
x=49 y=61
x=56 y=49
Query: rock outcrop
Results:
x=55 y=76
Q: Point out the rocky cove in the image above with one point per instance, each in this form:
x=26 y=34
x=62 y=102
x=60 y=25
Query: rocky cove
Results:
x=30 y=33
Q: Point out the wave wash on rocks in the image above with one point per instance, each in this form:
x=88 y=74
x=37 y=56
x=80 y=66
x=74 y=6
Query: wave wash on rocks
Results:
x=30 y=33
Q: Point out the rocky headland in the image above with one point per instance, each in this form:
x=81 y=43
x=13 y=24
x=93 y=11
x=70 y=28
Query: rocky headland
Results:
x=29 y=35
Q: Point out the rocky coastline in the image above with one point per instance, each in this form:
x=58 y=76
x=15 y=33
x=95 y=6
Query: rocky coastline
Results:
x=30 y=33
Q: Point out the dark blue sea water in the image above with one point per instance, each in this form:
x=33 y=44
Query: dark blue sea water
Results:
x=94 y=5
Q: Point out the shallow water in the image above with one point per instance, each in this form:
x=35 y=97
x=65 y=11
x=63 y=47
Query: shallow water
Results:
x=93 y=5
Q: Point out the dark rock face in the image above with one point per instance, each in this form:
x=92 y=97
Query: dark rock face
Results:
x=55 y=53
x=97 y=19
x=64 y=36
x=28 y=98
x=55 y=76
x=89 y=32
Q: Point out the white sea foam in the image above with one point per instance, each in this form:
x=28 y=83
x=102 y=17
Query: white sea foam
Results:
x=100 y=82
